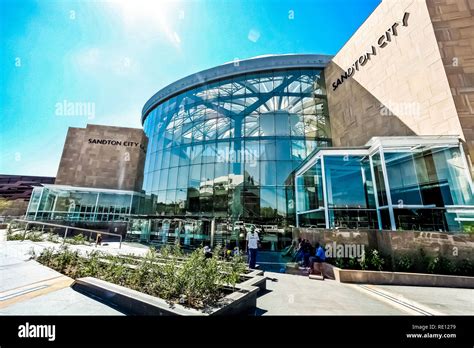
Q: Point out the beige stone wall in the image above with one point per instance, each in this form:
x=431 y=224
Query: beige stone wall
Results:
x=453 y=23
x=96 y=165
x=396 y=243
x=407 y=77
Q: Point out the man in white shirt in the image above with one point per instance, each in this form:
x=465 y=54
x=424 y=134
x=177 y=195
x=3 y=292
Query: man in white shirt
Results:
x=252 y=247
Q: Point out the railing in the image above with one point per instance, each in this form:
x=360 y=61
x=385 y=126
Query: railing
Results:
x=28 y=222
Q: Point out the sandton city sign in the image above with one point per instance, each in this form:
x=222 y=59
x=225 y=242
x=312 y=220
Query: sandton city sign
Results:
x=116 y=143
x=381 y=43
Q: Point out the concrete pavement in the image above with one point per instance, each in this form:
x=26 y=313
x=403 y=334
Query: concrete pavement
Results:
x=299 y=295
x=29 y=288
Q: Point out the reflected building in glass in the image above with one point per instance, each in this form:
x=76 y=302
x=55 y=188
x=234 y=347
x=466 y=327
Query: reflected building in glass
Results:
x=223 y=143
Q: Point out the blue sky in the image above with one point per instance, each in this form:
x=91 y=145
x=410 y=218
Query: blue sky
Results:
x=114 y=55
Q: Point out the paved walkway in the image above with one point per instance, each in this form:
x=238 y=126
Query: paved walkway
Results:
x=298 y=295
x=29 y=288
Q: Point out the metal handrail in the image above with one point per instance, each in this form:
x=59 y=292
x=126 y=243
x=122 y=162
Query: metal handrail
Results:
x=67 y=228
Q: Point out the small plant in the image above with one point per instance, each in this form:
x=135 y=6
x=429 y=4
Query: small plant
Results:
x=79 y=238
x=35 y=237
x=404 y=264
x=354 y=263
x=339 y=262
x=46 y=257
x=14 y=236
x=376 y=260
x=441 y=265
x=51 y=237
x=421 y=261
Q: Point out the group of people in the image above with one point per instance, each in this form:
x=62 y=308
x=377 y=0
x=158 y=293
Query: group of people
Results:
x=307 y=255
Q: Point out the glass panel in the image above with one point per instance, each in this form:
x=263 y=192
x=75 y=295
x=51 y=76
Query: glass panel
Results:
x=281 y=123
x=209 y=154
x=310 y=188
x=196 y=155
x=348 y=170
x=267 y=150
x=172 y=178
x=268 y=202
x=194 y=176
x=283 y=150
x=283 y=201
x=163 y=180
x=283 y=172
x=298 y=150
x=183 y=173
x=268 y=173
x=403 y=179
x=267 y=124
x=379 y=180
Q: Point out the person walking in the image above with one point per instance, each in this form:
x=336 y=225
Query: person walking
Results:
x=252 y=247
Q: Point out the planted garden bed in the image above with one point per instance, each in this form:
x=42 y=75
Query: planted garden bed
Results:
x=174 y=280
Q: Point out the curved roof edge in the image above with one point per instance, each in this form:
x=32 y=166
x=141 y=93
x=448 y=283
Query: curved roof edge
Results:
x=256 y=64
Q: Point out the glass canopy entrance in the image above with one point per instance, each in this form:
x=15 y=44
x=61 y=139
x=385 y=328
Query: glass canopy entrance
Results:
x=397 y=183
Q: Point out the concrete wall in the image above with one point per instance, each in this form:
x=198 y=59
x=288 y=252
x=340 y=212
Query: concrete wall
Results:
x=401 y=90
x=88 y=164
x=453 y=23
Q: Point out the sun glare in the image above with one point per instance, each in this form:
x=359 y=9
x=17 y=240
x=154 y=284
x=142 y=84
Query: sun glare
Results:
x=146 y=15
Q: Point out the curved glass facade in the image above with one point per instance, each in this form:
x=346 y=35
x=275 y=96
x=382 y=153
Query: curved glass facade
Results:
x=227 y=149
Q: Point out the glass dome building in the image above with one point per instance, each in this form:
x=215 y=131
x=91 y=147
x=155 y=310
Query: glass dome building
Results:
x=224 y=142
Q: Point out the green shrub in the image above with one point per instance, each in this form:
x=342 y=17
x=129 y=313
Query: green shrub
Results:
x=376 y=261
x=35 y=236
x=14 y=236
x=338 y=262
x=441 y=265
x=404 y=263
x=46 y=257
x=77 y=239
x=51 y=237
x=354 y=263
x=422 y=261
x=465 y=268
